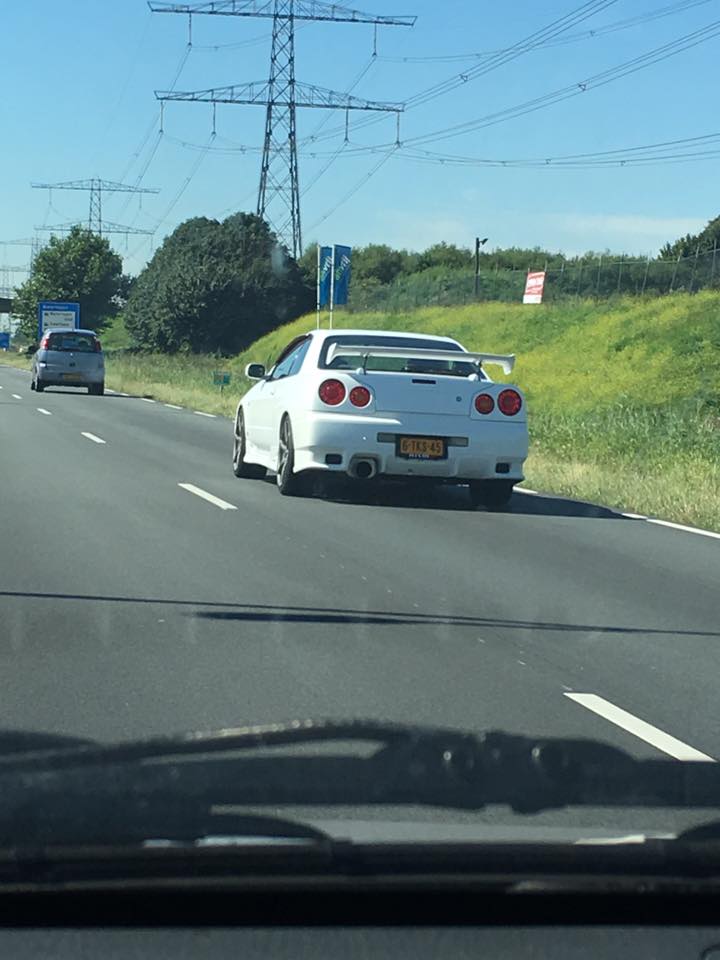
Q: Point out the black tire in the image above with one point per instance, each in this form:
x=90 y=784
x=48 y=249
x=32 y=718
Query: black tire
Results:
x=251 y=471
x=96 y=389
x=491 y=494
x=289 y=484
x=32 y=384
x=39 y=385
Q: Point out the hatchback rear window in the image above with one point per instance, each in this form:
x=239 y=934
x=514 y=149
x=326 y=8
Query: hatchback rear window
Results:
x=453 y=368
x=75 y=342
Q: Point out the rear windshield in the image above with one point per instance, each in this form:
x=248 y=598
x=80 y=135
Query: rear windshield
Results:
x=448 y=368
x=77 y=342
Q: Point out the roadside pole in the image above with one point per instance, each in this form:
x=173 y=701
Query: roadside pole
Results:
x=477 y=266
x=332 y=285
x=478 y=243
x=317 y=287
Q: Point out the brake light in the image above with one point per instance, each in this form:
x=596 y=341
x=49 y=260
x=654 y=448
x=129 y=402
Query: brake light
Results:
x=360 y=396
x=45 y=343
x=510 y=402
x=98 y=347
x=484 y=403
x=332 y=392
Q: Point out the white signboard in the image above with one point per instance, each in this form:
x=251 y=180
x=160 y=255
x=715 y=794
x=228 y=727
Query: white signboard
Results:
x=58 y=320
x=56 y=315
x=534 y=286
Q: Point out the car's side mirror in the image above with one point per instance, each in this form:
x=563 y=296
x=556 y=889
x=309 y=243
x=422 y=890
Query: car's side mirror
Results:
x=255 y=371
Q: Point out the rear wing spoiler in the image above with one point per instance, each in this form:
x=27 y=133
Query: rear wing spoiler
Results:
x=506 y=361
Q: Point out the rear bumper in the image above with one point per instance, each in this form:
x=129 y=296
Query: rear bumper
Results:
x=477 y=449
x=84 y=379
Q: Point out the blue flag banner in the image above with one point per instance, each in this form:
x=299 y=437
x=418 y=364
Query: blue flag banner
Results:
x=342 y=274
x=324 y=273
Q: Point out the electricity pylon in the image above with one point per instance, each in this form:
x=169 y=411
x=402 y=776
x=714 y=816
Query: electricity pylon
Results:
x=279 y=191
x=96 y=187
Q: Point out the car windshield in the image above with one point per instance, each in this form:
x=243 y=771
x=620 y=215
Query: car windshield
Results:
x=359 y=377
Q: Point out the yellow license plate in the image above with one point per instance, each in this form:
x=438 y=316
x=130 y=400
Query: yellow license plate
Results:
x=71 y=376
x=422 y=448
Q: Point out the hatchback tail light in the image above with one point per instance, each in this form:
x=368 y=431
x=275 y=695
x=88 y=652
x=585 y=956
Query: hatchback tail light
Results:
x=484 y=403
x=360 y=396
x=510 y=402
x=98 y=347
x=332 y=392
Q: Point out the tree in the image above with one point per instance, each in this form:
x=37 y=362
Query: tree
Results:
x=215 y=286
x=378 y=262
x=80 y=268
x=686 y=246
x=445 y=255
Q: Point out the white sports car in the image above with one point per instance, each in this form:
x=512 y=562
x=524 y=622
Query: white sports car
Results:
x=369 y=403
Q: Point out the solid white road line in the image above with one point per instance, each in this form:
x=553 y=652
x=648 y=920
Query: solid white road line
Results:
x=640 y=516
x=639 y=728
x=223 y=504
x=43 y=410
x=681 y=526
x=201 y=413
x=91 y=436
x=173 y=406
x=17 y=396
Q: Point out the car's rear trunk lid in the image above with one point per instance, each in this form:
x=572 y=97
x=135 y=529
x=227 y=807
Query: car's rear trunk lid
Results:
x=420 y=393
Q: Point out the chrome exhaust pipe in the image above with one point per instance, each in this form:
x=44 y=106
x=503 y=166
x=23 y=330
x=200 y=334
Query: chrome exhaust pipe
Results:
x=364 y=469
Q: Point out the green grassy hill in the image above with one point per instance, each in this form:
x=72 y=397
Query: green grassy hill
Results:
x=581 y=358
x=623 y=397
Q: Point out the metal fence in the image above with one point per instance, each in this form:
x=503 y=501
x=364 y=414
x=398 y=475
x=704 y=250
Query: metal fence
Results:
x=601 y=277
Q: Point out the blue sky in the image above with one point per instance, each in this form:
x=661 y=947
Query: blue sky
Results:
x=78 y=102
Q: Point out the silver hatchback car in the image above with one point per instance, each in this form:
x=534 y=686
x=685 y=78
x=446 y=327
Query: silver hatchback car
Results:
x=69 y=358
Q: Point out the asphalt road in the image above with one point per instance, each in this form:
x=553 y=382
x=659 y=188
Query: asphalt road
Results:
x=130 y=605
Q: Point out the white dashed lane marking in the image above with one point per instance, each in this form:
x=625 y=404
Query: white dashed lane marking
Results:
x=16 y=396
x=639 y=728
x=91 y=436
x=173 y=406
x=201 y=413
x=203 y=494
x=43 y=410
x=147 y=400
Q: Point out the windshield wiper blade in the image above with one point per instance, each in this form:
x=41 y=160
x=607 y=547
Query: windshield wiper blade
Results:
x=175 y=783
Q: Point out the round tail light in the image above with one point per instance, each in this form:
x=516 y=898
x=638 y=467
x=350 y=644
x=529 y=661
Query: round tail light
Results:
x=360 y=396
x=332 y=392
x=510 y=402
x=484 y=403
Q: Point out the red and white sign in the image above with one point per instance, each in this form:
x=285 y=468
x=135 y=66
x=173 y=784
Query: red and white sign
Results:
x=534 y=286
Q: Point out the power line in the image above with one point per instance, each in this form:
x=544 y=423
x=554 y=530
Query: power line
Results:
x=250 y=42
x=704 y=146
x=176 y=199
x=121 y=96
x=609 y=28
x=353 y=190
x=652 y=57
x=158 y=118
x=554 y=29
